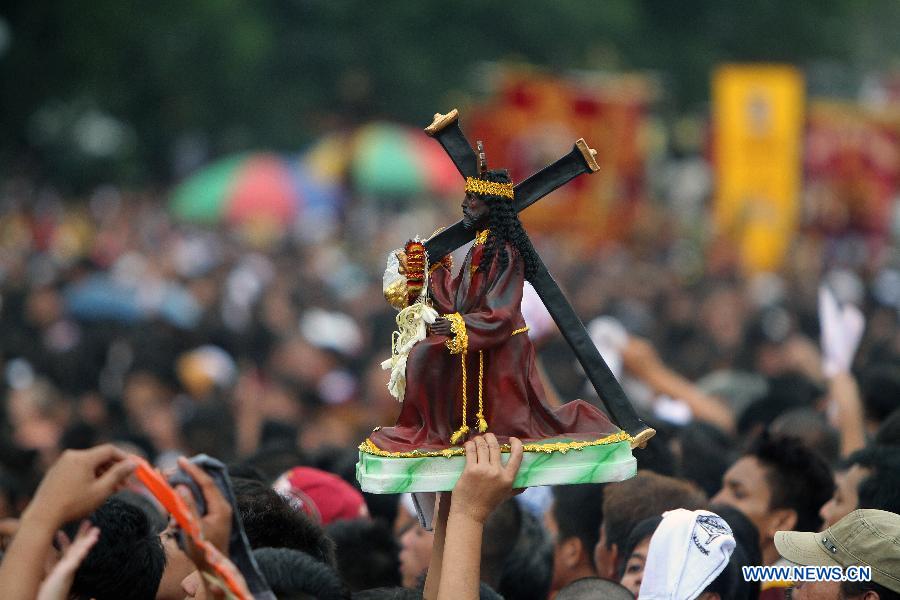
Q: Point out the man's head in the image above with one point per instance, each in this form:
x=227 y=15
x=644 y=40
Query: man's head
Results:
x=270 y=522
x=881 y=488
x=846 y=494
x=627 y=503
x=880 y=392
x=128 y=559
x=295 y=574
x=871 y=479
x=589 y=588
x=863 y=538
x=574 y=524
x=526 y=567
x=375 y=541
x=635 y=553
x=779 y=484
x=415 y=553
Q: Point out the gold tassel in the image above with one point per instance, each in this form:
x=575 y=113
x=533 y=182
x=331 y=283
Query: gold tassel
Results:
x=482 y=423
x=459 y=434
x=462 y=431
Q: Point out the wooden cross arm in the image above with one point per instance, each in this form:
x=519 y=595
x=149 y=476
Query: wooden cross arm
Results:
x=581 y=159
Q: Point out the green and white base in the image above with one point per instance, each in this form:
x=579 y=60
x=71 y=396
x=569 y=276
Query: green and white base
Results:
x=591 y=464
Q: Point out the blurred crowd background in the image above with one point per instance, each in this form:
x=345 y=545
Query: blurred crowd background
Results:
x=197 y=200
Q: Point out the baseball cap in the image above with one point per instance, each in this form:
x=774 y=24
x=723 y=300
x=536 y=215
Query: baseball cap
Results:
x=865 y=537
x=321 y=495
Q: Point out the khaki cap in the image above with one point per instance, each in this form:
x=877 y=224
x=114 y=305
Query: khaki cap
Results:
x=865 y=537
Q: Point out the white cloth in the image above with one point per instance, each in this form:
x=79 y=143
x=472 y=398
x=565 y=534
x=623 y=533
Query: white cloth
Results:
x=841 y=331
x=610 y=338
x=537 y=318
x=687 y=552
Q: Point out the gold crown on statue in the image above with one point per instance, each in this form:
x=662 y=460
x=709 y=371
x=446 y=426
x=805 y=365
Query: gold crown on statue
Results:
x=487 y=188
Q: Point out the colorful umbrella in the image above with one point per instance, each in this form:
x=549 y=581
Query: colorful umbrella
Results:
x=253 y=189
x=384 y=159
x=392 y=159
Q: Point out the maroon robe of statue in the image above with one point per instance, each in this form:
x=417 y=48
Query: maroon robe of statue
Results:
x=512 y=396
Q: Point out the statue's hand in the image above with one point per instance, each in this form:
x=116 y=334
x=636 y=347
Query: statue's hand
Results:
x=441 y=326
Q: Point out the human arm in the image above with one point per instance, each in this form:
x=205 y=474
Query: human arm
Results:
x=75 y=485
x=841 y=332
x=641 y=360
x=848 y=414
x=58 y=583
x=484 y=484
x=433 y=579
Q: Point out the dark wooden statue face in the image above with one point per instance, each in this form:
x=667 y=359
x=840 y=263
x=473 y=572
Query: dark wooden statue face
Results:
x=475 y=212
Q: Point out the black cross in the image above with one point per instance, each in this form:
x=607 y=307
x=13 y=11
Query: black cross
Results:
x=445 y=129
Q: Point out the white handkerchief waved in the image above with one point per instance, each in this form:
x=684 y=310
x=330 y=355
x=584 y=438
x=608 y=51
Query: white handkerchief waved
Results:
x=687 y=552
x=841 y=331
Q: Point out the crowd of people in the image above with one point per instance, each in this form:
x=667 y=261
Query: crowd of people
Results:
x=123 y=334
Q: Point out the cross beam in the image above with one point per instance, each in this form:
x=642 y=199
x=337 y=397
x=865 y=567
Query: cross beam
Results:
x=446 y=130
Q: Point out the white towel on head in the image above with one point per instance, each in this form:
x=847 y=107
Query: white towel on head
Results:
x=687 y=552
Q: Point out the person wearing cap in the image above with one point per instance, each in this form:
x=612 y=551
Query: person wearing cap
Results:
x=324 y=497
x=865 y=537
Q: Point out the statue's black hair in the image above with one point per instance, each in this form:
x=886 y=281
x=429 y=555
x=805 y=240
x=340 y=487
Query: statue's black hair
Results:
x=503 y=221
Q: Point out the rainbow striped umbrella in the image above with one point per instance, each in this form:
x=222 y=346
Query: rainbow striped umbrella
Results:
x=386 y=159
x=392 y=159
x=260 y=188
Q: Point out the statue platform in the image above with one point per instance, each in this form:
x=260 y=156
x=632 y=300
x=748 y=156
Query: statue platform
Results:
x=550 y=462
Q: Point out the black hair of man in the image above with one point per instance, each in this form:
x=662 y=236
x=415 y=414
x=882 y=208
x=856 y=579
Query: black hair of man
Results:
x=746 y=537
x=642 y=530
x=858 y=589
x=158 y=521
x=730 y=583
x=128 y=559
x=647 y=494
x=811 y=426
x=389 y=593
x=528 y=569
x=798 y=478
x=295 y=574
x=881 y=391
x=590 y=588
x=745 y=532
x=504 y=224
x=273 y=460
x=706 y=453
x=889 y=432
x=578 y=512
x=271 y=522
x=399 y=593
x=375 y=541
x=881 y=487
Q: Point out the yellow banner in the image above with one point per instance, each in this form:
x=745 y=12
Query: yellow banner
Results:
x=758 y=127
